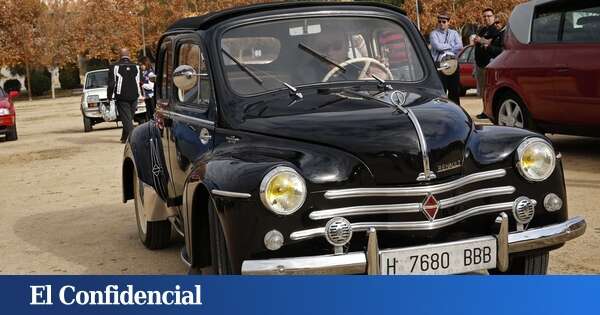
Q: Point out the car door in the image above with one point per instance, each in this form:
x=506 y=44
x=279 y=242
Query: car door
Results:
x=537 y=72
x=578 y=90
x=190 y=118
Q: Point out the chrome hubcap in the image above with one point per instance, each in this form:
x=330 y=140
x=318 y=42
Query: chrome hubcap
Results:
x=138 y=192
x=510 y=114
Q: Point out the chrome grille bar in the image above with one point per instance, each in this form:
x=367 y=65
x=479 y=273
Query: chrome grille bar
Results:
x=410 y=207
x=414 y=191
x=414 y=225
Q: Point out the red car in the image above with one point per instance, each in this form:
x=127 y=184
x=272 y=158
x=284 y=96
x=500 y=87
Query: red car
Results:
x=8 y=124
x=548 y=77
x=466 y=60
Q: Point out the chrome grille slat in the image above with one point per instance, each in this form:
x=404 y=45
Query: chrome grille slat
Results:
x=359 y=210
x=415 y=225
x=414 y=191
x=410 y=207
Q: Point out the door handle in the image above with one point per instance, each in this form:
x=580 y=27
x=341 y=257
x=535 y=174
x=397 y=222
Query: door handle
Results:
x=204 y=136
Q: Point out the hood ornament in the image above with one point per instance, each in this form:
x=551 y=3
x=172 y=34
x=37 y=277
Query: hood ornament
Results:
x=398 y=99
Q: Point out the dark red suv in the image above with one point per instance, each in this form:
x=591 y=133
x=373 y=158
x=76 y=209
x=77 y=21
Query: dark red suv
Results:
x=548 y=77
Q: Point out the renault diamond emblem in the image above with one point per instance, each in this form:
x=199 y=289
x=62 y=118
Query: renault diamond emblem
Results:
x=430 y=207
x=398 y=98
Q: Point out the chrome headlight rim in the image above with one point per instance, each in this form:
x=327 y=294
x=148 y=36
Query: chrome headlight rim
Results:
x=521 y=149
x=265 y=183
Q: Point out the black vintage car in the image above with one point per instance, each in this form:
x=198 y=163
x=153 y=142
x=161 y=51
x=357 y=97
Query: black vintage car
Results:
x=313 y=138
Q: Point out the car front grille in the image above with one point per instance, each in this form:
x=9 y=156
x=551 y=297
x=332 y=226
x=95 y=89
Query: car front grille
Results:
x=457 y=205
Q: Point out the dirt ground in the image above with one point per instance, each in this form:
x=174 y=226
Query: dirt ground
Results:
x=61 y=210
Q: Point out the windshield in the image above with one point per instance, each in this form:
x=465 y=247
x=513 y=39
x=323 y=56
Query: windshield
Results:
x=96 y=80
x=312 y=50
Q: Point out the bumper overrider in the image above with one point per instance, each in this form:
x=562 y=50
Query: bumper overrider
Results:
x=368 y=262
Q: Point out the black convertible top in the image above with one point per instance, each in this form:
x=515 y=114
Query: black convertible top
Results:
x=207 y=20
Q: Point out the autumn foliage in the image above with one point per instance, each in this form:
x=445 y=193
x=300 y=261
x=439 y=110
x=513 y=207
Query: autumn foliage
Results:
x=53 y=33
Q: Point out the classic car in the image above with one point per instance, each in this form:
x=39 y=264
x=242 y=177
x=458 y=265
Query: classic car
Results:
x=547 y=78
x=466 y=60
x=286 y=141
x=8 y=122
x=94 y=94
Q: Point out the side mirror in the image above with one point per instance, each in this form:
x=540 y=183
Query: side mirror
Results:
x=13 y=94
x=185 y=77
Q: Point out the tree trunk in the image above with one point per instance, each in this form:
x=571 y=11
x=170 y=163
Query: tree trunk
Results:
x=28 y=80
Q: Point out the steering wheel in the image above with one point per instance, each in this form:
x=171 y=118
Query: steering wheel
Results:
x=366 y=60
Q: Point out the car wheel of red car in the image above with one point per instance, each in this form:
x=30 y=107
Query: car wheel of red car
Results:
x=536 y=264
x=155 y=234
x=11 y=135
x=512 y=112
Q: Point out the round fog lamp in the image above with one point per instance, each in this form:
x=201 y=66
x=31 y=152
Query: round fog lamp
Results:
x=552 y=202
x=273 y=240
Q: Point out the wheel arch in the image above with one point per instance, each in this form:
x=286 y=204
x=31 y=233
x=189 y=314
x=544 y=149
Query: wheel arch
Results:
x=498 y=96
x=127 y=179
x=196 y=224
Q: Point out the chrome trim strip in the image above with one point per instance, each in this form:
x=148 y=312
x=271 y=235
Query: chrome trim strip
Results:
x=546 y=236
x=410 y=207
x=360 y=210
x=172 y=114
x=350 y=263
x=356 y=262
x=427 y=174
x=412 y=225
x=414 y=191
x=476 y=194
x=232 y=194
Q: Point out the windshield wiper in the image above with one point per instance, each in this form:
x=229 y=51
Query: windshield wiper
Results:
x=321 y=56
x=381 y=85
x=243 y=67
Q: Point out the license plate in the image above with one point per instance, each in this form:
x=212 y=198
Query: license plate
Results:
x=439 y=259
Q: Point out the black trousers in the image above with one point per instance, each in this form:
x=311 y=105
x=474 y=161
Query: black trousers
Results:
x=126 y=112
x=452 y=85
x=149 y=108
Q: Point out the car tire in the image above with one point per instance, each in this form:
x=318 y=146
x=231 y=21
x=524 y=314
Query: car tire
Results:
x=87 y=124
x=512 y=112
x=11 y=134
x=534 y=264
x=219 y=256
x=155 y=234
x=221 y=263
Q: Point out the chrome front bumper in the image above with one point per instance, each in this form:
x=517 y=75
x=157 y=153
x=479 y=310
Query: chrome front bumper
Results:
x=367 y=262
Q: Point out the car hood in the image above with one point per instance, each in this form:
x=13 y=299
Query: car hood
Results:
x=370 y=127
x=101 y=92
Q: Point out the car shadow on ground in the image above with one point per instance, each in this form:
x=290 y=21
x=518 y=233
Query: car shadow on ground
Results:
x=101 y=239
x=579 y=153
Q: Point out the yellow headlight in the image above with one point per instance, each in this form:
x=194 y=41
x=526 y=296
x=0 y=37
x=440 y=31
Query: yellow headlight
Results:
x=536 y=159
x=283 y=190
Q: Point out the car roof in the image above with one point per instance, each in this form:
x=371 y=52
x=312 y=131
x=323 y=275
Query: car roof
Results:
x=210 y=19
x=93 y=71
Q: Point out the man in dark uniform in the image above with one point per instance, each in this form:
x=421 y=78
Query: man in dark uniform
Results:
x=485 y=35
x=124 y=88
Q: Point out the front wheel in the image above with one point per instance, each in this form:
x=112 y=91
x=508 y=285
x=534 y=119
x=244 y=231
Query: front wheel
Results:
x=534 y=264
x=512 y=112
x=11 y=135
x=87 y=124
x=155 y=234
x=219 y=255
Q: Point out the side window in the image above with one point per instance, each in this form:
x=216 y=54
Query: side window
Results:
x=582 y=24
x=200 y=94
x=166 y=71
x=546 y=24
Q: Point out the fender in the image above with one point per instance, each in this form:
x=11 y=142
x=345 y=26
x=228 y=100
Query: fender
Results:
x=240 y=168
x=144 y=152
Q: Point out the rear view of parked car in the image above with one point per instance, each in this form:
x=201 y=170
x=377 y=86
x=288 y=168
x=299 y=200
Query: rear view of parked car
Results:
x=548 y=77
x=94 y=94
x=8 y=123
